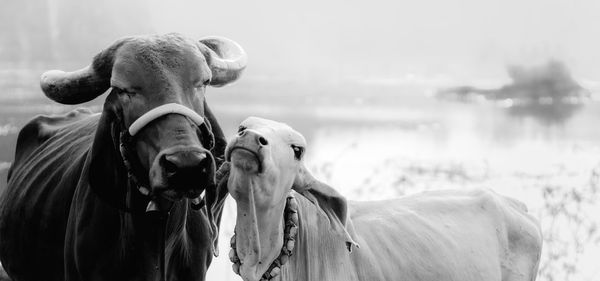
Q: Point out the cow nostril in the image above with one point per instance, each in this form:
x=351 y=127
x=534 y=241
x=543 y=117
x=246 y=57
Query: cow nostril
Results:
x=188 y=160
x=184 y=169
x=170 y=165
x=262 y=141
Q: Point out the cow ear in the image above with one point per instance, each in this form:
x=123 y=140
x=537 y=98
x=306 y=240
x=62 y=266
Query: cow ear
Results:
x=332 y=203
x=218 y=151
x=107 y=173
x=216 y=195
x=215 y=200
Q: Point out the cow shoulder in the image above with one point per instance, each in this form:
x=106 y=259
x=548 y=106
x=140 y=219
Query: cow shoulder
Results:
x=43 y=127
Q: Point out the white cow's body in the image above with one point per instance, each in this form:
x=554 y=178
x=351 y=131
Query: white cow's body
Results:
x=451 y=235
x=440 y=235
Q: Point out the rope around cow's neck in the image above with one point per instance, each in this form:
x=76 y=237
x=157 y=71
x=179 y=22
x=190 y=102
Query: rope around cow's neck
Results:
x=125 y=140
x=289 y=241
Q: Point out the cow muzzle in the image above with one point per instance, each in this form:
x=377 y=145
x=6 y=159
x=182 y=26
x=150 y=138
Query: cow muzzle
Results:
x=180 y=172
x=245 y=151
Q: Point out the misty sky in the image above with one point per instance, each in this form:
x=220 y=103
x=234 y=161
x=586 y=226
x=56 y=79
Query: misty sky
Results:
x=312 y=40
x=469 y=38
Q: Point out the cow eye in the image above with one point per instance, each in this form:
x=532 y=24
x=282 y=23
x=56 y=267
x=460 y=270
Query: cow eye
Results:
x=199 y=86
x=117 y=90
x=298 y=151
x=241 y=129
x=121 y=91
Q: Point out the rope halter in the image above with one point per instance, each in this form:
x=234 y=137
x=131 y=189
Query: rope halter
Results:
x=137 y=126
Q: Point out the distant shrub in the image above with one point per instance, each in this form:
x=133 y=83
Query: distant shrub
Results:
x=568 y=229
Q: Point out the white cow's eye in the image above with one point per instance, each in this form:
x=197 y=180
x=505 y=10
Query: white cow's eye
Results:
x=298 y=151
x=201 y=85
x=241 y=129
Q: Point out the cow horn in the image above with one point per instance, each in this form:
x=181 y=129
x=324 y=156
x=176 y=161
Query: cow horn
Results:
x=226 y=59
x=73 y=87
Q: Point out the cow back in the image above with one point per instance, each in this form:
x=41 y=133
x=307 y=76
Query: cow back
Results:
x=50 y=155
x=447 y=235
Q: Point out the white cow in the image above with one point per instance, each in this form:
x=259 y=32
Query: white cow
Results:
x=439 y=235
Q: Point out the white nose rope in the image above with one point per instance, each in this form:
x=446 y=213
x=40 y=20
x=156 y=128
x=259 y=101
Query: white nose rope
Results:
x=144 y=120
x=159 y=111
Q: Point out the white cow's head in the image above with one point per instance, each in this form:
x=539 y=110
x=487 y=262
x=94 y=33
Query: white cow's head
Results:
x=266 y=164
x=268 y=154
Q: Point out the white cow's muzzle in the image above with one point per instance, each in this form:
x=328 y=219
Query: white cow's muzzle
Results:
x=159 y=111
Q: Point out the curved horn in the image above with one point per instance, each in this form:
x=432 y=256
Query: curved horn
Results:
x=73 y=87
x=85 y=84
x=226 y=59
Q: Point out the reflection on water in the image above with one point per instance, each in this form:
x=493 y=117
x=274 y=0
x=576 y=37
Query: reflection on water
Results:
x=546 y=92
x=374 y=142
x=549 y=114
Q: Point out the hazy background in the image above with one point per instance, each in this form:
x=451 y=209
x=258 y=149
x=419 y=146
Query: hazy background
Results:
x=323 y=40
x=372 y=84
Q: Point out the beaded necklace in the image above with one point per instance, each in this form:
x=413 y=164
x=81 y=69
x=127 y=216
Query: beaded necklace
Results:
x=289 y=242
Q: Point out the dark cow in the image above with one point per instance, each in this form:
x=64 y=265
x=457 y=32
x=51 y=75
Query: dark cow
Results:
x=117 y=195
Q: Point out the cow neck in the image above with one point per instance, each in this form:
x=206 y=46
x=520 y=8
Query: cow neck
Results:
x=290 y=215
x=152 y=212
x=156 y=236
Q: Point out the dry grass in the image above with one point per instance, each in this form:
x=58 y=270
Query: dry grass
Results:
x=568 y=209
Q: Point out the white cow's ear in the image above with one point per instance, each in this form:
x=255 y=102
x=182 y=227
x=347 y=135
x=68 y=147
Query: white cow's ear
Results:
x=326 y=198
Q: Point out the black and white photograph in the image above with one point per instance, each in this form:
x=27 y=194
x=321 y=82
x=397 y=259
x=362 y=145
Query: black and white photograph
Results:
x=300 y=141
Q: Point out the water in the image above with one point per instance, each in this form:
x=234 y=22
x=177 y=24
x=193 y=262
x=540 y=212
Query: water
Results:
x=378 y=140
